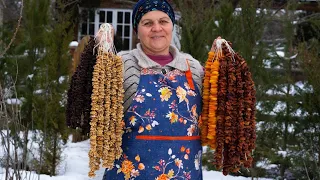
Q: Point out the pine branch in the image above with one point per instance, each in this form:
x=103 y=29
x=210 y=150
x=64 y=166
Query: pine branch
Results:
x=235 y=3
x=15 y=33
x=307 y=18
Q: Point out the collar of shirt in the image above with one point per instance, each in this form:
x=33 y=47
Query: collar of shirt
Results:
x=178 y=62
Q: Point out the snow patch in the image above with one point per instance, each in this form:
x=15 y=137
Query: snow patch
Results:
x=266 y=164
x=14 y=101
x=294 y=89
x=30 y=76
x=280 y=53
x=280 y=107
x=75 y=166
x=216 y=23
x=73 y=44
x=61 y=79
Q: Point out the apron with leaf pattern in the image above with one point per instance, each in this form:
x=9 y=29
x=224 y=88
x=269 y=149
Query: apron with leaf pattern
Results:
x=161 y=139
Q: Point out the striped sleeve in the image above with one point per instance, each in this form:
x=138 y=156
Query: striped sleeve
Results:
x=131 y=77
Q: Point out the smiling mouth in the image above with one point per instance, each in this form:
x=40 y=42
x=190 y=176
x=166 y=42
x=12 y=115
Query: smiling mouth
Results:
x=156 y=37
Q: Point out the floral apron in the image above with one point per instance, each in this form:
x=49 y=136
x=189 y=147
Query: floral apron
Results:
x=161 y=139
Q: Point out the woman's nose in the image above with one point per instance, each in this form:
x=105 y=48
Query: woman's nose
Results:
x=156 y=27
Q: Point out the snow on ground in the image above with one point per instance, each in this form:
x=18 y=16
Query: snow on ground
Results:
x=75 y=167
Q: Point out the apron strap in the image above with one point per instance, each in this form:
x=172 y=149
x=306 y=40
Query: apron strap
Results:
x=189 y=76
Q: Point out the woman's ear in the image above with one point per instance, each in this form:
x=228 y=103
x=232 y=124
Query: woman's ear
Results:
x=137 y=34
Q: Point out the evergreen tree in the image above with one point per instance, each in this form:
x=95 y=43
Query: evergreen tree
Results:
x=283 y=134
x=19 y=66
x=55 y=69
x=307 y=161
x=236 y=21
x=197 y=20
x=38 y=63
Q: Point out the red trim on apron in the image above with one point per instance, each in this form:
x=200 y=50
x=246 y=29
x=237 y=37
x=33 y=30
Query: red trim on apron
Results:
x=179 y=138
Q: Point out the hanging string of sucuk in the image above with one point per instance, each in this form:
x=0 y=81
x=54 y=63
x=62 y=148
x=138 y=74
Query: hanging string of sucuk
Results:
x=228 y=115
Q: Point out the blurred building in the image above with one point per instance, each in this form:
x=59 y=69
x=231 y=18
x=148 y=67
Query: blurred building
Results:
x=116 y=12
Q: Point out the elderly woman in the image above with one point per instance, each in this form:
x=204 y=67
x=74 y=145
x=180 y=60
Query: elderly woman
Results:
x=162 y=102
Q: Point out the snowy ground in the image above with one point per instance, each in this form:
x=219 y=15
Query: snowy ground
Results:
x=75 y=167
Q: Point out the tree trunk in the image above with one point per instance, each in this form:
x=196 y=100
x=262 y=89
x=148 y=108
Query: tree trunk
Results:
x=283 y=166
x=8 y=155
x=77 y=136
x=319 y=156
x=24 y=162
x=16 y=168
x=284 y=162
x=54 y=154
x=318 y=166
x=282 y=171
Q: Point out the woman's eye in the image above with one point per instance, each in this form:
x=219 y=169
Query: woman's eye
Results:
x=163 y=22
x=147 y=24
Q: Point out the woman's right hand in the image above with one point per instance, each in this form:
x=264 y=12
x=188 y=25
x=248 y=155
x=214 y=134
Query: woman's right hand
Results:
x=213 y=47
x=102 y=30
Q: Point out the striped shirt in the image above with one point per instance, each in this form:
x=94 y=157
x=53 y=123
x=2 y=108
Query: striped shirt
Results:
x=136 y=59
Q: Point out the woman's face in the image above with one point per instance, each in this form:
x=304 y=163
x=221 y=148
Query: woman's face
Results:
x=155 y=33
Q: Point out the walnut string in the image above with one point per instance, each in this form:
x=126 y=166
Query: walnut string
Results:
x=107 y=104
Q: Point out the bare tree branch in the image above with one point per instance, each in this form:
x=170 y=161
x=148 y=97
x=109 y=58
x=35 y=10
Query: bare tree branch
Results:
x=72 y=2
x=3 y=4
x=15 y=33
x=306 y=170
x=125 y=1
